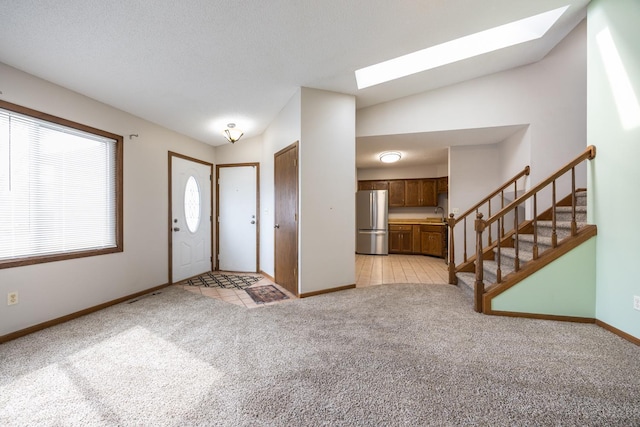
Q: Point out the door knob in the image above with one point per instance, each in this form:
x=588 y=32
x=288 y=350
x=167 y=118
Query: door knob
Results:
x=276 y=226
x=253 y=222
x=176 y=228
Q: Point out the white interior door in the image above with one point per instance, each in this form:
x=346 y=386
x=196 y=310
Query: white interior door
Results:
x=237 y=218
x=191 y=218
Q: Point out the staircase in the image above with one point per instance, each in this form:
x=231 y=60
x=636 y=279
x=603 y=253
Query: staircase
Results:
x=526 y=244
x=502 y=258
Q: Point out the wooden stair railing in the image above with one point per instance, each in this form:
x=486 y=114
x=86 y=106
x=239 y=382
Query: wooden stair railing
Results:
x=481 y=224
x=452 y=222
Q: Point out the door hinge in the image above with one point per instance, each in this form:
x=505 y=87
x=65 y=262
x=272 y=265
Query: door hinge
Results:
x=295 y=217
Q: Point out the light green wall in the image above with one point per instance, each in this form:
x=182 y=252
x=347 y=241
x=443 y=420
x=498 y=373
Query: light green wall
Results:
x=566 y=287
x=614 y=176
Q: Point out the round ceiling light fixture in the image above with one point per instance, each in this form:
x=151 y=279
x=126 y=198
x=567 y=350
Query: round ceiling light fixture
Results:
x=390 y=156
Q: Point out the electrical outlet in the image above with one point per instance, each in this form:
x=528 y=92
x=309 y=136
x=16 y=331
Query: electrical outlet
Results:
x=12 y=298
x=636 y=302
x=455 y=211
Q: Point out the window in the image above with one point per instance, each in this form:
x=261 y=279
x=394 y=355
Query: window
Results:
x=192 y=204
x=60 y=188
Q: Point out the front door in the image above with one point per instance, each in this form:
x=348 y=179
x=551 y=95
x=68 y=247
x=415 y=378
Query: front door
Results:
x=237 y=217
x=190 y=229
x=286 y=218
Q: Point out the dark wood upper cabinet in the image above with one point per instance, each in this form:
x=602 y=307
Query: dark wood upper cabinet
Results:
x=428 y=194
x=408 y=192
x=420 y=192
x=413 y=192
x=373 y=185
x=443 y=184
x=396 y=193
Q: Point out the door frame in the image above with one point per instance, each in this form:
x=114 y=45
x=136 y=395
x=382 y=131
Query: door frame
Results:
x=231 y=165
x=295 y=145
x=171 y=155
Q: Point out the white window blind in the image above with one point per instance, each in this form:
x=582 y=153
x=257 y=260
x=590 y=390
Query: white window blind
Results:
x=57 y=188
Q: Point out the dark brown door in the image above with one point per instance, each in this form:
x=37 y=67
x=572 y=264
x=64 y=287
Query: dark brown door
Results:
x=286 y=218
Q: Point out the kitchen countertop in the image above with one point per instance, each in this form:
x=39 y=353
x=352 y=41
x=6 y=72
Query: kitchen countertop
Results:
x=423 y=221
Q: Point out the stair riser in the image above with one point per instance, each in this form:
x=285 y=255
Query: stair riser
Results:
x=581 y=199
x=509 y=262
x=467 y=288
x=528 y=247
x=566 y=216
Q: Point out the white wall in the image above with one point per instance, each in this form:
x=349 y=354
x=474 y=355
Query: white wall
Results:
x=423 y=171
x=327 y=191
x=466 y=165
x=614 y=173
x=282 y=132
x=515 y=154
x=549 y=95
x=247 y=150
x=51 y=290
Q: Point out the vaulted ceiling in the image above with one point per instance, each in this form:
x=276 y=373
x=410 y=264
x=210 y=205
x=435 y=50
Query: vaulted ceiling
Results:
x=195 y=65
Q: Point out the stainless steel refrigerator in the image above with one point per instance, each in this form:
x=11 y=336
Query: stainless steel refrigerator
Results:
x=371 y=222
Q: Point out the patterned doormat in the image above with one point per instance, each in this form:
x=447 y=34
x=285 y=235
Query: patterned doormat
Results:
x=221 y=280
x=265 y=294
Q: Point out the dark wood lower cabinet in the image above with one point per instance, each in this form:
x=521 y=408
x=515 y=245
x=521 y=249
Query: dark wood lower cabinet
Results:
x=400 y=239
x=431 y=243
x=418 y=239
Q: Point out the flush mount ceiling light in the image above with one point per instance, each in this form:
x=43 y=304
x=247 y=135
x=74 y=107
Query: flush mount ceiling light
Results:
x=232 y=134
x=465 y=47
x=390 y=157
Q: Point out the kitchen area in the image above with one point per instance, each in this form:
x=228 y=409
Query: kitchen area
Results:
x=402 y=216
x=402 y=201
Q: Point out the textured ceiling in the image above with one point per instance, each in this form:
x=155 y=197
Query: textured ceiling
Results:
x=195 y=65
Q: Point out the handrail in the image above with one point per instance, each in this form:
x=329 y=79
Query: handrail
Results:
x=482 y=224
x=451 y=221
x=588 y=154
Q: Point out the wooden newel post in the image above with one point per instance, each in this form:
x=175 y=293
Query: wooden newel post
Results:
x=479 y=284
x=451 y=222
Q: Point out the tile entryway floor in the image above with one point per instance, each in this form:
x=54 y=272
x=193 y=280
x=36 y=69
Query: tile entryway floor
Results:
x=237 y=296
x=371 y=270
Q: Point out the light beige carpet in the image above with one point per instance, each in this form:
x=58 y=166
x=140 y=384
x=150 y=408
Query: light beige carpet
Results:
x=385 y=355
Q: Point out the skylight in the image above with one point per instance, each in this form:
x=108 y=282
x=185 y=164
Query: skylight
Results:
x=465 y=47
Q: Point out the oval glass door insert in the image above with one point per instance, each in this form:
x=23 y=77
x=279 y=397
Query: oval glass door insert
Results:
x=192 y=204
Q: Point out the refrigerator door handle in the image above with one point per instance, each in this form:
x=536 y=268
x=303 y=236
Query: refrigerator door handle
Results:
x=371 y=199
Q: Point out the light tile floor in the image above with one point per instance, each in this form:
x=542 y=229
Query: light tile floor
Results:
x=378 y=269
x=371 y=270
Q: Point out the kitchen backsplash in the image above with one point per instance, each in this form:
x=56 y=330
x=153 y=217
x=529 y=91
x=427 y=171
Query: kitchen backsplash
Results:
x=420 y=212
